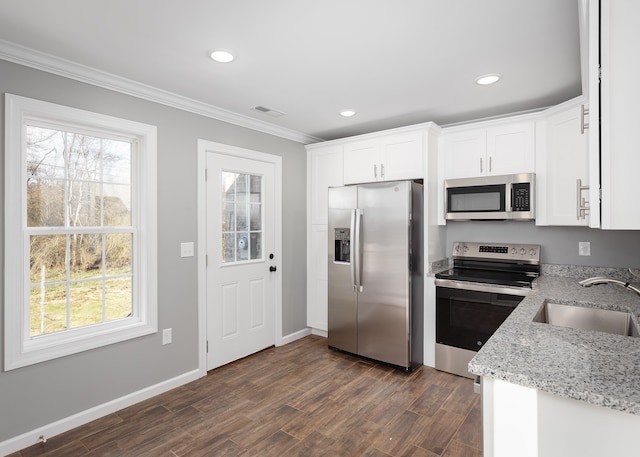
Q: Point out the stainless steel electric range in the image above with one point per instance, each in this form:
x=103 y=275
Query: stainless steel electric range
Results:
x=486 y=283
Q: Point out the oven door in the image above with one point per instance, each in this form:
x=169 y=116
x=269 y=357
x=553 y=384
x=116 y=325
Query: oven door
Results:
x=466 y=318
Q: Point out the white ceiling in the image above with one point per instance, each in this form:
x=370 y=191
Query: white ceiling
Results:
x=396 y=62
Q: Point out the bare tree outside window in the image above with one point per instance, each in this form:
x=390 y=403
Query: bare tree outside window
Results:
x=79 y=220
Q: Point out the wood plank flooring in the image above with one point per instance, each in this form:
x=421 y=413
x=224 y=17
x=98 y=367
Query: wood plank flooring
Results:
x=301 y=399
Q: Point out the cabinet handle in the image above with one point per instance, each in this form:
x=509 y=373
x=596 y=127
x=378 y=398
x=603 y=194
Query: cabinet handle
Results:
x=375 y=171
x=382 y=170
x=490 y=160
x=582 y=204
x=480 y=164
x=583 y=125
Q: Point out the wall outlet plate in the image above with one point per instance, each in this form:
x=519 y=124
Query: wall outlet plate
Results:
x=584 y=248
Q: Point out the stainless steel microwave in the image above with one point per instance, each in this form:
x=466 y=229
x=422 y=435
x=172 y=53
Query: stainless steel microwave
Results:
x=504 y=197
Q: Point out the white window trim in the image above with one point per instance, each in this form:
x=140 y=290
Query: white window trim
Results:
x=20 y=349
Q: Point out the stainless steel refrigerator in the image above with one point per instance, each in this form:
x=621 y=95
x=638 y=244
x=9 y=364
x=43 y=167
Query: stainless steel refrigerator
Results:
x=376 y=277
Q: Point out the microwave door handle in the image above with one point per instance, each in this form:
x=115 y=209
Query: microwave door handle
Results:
x=509 y=204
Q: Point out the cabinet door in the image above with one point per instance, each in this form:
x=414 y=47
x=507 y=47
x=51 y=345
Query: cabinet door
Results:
x=511 y=148
x=562 y=160
x=402 y=157
x=465 y=154
x=317 y=278
x=619 y=95
x=362 y=161
x=325 y=171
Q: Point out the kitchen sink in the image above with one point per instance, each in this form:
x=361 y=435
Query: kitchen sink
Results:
x=600 y=320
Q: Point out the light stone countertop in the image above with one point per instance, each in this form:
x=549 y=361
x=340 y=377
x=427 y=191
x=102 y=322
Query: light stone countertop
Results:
x=599 y=368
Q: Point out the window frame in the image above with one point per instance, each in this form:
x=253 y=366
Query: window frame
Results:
x=20 y=348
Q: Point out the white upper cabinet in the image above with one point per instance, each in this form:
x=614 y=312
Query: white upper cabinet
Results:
x=490 y=150
x=465 y=153
x=619 y=91
x=562 y=166
x=324 y=171
x=384 y=158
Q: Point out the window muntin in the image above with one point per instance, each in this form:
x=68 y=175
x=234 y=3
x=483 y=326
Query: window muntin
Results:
x=87 y=217
x=242 y=217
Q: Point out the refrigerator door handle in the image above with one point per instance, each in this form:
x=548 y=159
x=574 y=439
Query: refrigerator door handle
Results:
x=352 y=266
x=358 y=251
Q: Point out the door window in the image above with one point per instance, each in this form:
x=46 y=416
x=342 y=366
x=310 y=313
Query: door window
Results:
x=242 y=217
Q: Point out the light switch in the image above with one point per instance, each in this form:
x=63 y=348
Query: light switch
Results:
x=186 y=249
x=166 y=336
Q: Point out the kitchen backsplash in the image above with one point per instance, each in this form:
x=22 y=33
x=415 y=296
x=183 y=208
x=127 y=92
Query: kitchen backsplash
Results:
x=559 y=245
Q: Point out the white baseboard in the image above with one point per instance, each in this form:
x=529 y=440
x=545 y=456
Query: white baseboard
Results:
x=295 y=336
x=55 y=428
x=319 y=332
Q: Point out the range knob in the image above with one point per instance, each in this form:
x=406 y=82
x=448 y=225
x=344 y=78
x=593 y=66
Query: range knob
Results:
x=532 y=252
x=522 y=251
x=466 y=248
x=513 y=251
x=457 y=248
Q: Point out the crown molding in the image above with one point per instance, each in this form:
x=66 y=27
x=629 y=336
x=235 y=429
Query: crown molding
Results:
x=29 y=57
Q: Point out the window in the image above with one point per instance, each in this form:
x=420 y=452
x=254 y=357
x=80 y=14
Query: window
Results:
x=241 y=217
x=80 y=231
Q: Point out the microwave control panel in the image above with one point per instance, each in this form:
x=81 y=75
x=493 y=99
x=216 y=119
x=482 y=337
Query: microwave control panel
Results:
x=521 y=196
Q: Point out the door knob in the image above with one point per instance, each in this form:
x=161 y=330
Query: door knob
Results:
x=272 y=268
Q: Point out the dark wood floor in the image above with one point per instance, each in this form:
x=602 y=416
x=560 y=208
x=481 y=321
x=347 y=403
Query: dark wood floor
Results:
x=296 y=400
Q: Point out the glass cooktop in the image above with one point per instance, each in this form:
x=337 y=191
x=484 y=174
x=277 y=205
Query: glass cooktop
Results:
x=506 y=278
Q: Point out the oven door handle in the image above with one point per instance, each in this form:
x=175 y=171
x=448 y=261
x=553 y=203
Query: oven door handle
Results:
x=482 y=287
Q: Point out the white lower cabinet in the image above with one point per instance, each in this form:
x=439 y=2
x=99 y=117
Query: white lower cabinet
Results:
x=525 y=422
x=562 y=166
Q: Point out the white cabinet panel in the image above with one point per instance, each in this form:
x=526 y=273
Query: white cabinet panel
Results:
x=562 y=159
x=362 y=161
x=402 y=157
x=317 y=293
x=385 y=158
x=503 y=149
x=619 y=95
x=511 y=149
x=325 y=171
x=465 y=153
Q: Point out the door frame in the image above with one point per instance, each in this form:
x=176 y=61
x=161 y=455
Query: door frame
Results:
x=205 y=147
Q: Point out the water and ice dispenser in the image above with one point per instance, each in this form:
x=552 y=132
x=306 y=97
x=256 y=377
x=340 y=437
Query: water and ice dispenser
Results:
x=342 y=241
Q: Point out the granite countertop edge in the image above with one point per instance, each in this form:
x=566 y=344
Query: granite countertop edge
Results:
x=599 y=368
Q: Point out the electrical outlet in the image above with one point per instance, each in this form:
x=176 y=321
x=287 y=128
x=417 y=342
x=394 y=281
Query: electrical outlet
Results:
x=186 y=249
x=166 y=336
x=584 y=248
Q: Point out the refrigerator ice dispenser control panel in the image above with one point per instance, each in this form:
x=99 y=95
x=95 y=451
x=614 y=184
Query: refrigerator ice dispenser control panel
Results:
x=342 y=237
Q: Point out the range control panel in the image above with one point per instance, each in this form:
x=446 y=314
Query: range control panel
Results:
x=529 y=252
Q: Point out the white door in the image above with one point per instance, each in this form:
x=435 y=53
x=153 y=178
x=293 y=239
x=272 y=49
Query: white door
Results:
x=241 y=257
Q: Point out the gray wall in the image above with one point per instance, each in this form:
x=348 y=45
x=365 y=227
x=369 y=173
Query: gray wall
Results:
x=559 y=245
x=43 y=393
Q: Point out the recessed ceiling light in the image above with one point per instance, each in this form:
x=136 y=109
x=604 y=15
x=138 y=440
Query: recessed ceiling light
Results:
x=222 y=56
x=347 y=112
x=485 y=80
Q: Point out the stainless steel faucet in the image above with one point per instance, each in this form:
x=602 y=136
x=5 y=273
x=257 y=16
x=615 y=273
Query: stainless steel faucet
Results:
x=602 y=280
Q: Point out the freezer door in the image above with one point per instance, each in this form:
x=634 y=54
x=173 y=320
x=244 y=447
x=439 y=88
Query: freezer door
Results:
x=342 y=312
x=383 y=302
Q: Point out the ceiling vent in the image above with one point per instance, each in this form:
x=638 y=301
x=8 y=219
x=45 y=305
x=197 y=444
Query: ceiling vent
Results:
x=269 y=111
